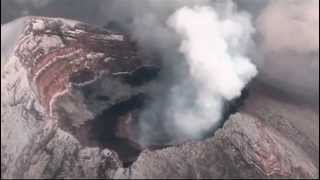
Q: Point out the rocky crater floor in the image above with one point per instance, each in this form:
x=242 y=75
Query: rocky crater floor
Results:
x=70 y=98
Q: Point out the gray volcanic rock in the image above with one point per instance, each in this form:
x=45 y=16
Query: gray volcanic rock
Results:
x=67 y=81
x=296 y=120
x=244 y=148
x=61 y=76
x=273 y=136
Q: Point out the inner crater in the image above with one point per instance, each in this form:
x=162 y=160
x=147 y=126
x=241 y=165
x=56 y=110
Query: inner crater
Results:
x=115 y=104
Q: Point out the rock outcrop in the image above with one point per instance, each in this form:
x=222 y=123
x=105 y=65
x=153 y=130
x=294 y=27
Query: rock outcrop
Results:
x=70 y=90
x=244 y=148
x=62 y=76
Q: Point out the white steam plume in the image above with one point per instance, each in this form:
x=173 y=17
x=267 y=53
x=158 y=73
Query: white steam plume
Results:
x=204 y=52
x=215 y=52
x=214 y=47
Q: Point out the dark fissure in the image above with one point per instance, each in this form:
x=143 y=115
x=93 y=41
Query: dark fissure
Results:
x=117 y=127
x=105 y=128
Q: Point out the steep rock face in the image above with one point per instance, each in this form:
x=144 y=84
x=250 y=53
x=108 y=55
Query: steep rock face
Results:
x=61 y=76
x=69 y=83
x=244 y=148
x=296 y=120
x=272 y=136
x=64 y=60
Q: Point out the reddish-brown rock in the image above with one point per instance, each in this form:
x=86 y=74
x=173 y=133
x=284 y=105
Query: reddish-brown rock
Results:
x=70 y=89
x=62 y=76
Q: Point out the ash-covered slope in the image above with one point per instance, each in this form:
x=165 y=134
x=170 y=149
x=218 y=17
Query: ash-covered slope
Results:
x=70 y=96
